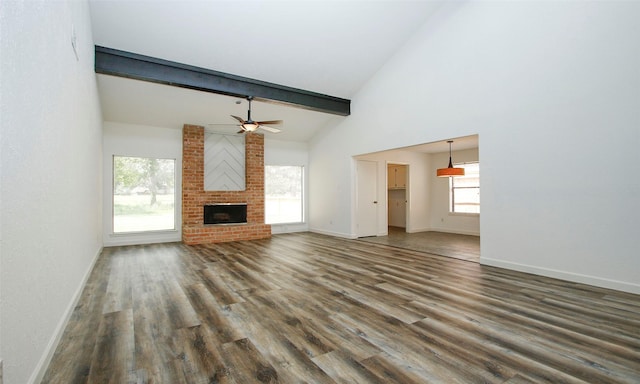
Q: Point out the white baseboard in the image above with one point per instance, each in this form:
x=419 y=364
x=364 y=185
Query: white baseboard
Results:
x=456 y=231
x=289 y=228
x=334 y=234
x=417 y=230
x=562 y=275
x=43 y=364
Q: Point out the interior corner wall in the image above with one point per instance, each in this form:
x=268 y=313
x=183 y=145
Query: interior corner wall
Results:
x=51 y=144
x=552 y=90
x=279 y=152
x=140 y=141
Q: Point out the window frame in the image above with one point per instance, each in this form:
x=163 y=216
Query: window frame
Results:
x=453 y=188
x=302 y=195
x=113 y=194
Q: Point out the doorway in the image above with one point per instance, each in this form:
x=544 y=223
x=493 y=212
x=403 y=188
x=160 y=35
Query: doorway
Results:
x=428 y=224
x=397 y=197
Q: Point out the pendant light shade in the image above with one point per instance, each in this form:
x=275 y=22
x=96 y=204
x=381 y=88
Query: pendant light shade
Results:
x=450 y=170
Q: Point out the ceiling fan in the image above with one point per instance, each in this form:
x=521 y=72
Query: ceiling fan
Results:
x=249 y=125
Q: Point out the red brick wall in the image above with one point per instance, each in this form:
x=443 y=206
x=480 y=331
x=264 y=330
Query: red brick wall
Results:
x=194 y=197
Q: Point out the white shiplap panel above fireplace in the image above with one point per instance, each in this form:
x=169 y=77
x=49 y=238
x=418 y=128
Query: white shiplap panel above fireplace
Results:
x=224 y=162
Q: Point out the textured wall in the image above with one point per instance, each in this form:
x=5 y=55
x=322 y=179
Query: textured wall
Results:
x=51 y=155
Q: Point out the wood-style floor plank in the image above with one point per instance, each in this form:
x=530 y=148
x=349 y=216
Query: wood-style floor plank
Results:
x=112 y=360
x=312 y=308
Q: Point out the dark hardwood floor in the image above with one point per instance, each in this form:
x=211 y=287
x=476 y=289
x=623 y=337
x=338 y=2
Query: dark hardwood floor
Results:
x=310 y=308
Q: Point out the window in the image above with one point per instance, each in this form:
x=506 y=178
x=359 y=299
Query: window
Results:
x=283 y=194
x=143 y=194
x=465 y=190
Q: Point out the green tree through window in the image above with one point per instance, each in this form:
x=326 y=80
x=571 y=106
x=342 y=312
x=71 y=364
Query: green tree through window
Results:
x=143 y=194
x=283 y=194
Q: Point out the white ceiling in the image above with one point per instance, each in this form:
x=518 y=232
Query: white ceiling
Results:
x=329 y=47
x=144 y=103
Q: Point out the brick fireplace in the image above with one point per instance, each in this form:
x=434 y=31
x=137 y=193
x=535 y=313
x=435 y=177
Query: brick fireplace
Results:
x=194 y=197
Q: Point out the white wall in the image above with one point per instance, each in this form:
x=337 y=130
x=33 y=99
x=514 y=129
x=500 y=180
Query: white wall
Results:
x=278 y=152
x=140 y=141
x=51 y=177
x=441 y=219
x=552 y=90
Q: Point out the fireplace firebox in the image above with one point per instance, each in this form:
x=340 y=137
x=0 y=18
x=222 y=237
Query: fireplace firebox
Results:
x=226 y=213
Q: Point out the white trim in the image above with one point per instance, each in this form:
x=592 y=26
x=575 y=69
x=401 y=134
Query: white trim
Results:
x=43 y=364
x=446 y=230
x=562 y=275
x=151 y=237
x=289 y=228
x=429 y=229
x=467 y=214
x=334 y=234
x=456 y=231
x=416 y=230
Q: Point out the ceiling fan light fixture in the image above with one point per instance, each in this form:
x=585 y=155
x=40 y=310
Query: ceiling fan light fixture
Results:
x=249 y=126
x=450 y=171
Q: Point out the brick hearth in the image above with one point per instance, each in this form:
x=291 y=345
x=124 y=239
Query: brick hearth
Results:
x=194 y=197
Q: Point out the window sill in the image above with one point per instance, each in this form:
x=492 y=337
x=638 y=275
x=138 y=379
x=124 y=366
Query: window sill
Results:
x=138 y=233
x=145 y=237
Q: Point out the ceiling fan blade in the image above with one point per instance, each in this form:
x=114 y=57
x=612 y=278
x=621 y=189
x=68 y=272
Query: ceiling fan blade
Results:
x=269 y=129
x=269 y=122
x=240 y=119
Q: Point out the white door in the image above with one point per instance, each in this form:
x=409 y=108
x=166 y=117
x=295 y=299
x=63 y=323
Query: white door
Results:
x=367 y=198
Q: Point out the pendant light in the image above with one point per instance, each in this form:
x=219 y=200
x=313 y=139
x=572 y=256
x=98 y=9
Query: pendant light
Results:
x=450 y=171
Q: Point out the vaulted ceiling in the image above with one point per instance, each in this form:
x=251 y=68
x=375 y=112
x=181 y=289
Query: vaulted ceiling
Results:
x=328 y=47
